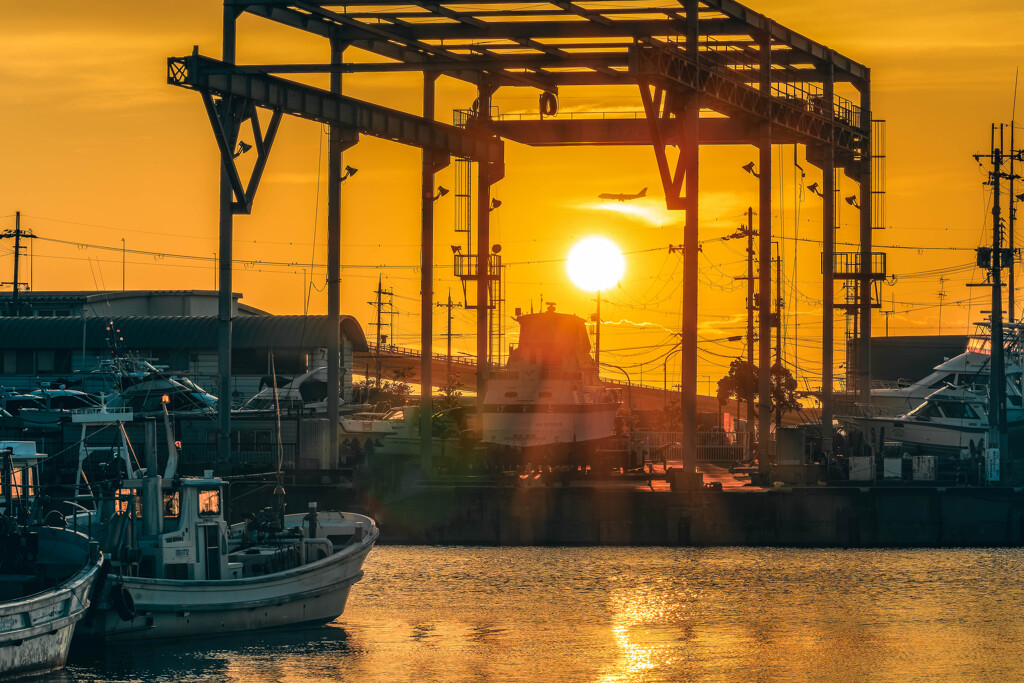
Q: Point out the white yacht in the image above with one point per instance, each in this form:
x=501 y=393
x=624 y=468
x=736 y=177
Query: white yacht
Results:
x=950 y=418
x=969 y=370
x=550 y=392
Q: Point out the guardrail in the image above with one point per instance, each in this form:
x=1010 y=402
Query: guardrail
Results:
x=716 y=446
x=471 y=362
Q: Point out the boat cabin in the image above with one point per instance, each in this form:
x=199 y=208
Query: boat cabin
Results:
x=951 y=405
x=179 y=525
x=191 y=540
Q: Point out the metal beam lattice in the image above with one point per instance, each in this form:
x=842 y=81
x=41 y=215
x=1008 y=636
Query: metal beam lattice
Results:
x=217 y=78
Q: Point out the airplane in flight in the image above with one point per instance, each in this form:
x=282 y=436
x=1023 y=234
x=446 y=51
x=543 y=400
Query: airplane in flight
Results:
x=622 y=197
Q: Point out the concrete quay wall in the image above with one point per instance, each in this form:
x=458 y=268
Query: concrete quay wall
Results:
x=808 y=517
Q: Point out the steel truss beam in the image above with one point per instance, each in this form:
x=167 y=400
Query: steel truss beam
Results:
x=636 y=131
x=213 y=77
x=385 y=43
x=463 y=44
x=729 y=95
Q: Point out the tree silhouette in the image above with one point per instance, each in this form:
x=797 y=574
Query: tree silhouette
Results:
x=742 y=381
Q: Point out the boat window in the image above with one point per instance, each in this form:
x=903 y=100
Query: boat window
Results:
x=209 y=502
x=124 y=496
x=928 y=409
x=942 y=381
x=511 y=394
x=545 y=394
x=172 y=504
x=962 y=411
x=21 y=484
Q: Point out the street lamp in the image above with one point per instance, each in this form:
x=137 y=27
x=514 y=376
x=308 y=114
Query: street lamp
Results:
x=629 y=384
x=664 y=369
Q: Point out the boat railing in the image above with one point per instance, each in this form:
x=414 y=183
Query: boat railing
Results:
x=80 y=510
x=874 y=410
x=100 y=412
x=890 y=384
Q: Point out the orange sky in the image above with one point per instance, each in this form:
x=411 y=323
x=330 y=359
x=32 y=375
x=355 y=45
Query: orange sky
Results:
x=98 y=148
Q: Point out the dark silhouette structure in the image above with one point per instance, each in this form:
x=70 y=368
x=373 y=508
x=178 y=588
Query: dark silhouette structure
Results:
x=707 y=72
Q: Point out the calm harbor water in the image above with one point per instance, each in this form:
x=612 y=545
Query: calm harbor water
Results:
x=632 y=614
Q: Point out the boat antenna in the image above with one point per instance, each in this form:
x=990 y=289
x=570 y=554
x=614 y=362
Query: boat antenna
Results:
x=172 y=447
x=277 y=415
x=279 y=492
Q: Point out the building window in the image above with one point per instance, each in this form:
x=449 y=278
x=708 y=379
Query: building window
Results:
x=24 y=362
x=251 y=362
x=179 y=361
x=62 y=361
x=44 y=361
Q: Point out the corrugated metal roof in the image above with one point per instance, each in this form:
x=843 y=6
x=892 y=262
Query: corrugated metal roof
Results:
x=176 y=332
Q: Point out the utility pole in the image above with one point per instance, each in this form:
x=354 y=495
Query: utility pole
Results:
x=995 y=258
x=748 y=398
x=379 y=305
x=1011 y=282
x=17 y=234
x=942 y=298
x=449 y=306
x=778 y=323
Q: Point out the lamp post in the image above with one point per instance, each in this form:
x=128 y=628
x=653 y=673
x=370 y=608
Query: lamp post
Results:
x=595 y=263
x=664 y=368
x=629 y=384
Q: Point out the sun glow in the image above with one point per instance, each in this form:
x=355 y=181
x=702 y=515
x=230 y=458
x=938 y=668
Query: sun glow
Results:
x=595 y=263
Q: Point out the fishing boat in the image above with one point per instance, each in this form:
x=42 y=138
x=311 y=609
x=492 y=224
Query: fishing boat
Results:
x=550 y=393
x=177 y=568
x=46 y=573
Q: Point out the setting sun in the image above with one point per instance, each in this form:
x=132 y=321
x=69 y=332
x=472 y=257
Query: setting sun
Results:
x=595 y=263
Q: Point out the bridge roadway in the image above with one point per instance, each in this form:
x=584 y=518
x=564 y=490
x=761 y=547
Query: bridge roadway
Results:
x=404 y=363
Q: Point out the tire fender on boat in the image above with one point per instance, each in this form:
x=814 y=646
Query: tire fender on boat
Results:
x=123 y=602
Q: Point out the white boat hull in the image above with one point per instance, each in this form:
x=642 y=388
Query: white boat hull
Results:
x=36 y=631
x=164 y=608
x=967 y=434
x=538 y=427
